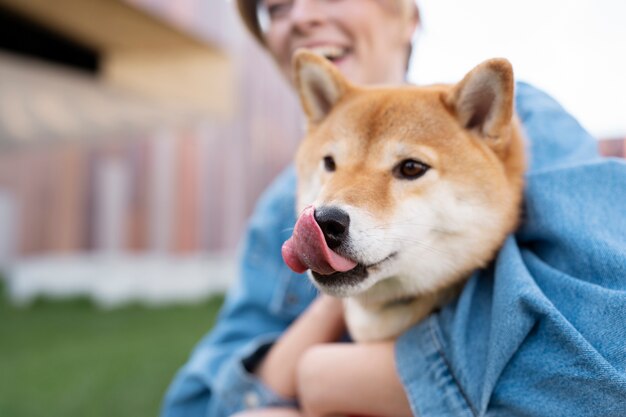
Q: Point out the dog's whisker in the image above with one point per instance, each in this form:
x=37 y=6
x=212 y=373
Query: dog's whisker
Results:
x=407 y=222
x=409 y=240
x=423 y=227
x=424 y=245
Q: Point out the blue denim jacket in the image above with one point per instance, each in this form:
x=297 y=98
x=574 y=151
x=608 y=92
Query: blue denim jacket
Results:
x=542 y=332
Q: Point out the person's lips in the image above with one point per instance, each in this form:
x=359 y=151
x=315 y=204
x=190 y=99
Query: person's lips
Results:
x=334 y=53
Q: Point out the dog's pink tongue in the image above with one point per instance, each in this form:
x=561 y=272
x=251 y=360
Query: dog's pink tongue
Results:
x=307 y=248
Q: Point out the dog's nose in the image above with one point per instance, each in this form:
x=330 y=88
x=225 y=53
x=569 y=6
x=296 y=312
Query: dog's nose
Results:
x=334 y=223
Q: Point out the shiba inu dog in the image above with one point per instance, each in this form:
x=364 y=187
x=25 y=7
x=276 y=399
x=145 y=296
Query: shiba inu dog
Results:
x=403 y=192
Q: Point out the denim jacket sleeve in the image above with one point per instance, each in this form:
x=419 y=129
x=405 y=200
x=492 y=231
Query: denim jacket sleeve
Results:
x=216 y=381
x=540 y=332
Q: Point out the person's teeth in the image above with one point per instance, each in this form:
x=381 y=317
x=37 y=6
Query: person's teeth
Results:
x=330 y=52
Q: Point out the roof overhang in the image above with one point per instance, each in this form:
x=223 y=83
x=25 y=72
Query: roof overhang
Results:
x=140 y=56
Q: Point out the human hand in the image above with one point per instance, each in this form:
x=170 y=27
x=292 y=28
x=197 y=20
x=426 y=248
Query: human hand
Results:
x=321 y=322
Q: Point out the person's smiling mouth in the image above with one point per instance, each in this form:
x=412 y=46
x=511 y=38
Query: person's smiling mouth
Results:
x=333 y=53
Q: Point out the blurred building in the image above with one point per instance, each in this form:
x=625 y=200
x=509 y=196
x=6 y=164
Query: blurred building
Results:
x=131 y=131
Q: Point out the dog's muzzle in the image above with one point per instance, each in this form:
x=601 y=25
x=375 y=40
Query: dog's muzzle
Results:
x=316 y=236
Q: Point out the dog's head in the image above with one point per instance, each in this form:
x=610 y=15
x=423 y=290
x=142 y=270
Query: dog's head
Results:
x=407 y=189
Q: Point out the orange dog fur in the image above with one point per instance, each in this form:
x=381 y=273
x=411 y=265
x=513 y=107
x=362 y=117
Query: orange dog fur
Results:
x=431 y=178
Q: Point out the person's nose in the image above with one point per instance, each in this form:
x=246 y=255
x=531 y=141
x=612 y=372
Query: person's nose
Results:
x=306 y=14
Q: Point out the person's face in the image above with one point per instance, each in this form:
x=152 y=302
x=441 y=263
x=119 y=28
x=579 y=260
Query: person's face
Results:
x=366 y=39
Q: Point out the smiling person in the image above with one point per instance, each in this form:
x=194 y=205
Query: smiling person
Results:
x=369 y=41
x=540 y=332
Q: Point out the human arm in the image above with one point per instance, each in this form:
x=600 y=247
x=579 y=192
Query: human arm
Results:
x=351 y=379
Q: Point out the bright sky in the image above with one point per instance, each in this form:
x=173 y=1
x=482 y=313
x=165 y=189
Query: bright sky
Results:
x=574 y=50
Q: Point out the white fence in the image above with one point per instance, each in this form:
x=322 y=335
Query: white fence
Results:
x=114 y=280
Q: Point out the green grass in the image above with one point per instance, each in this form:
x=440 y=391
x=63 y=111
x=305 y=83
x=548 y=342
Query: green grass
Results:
x=71 y=359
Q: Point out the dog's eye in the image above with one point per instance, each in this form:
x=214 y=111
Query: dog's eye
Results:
x=410 y=169
x=329 y=163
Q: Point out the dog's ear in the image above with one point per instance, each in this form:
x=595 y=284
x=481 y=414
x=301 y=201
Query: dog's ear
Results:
x=483 y=100
x=319 y=84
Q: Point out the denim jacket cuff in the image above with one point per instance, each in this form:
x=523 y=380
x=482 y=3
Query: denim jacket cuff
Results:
x=240 y=389
x=430 y=385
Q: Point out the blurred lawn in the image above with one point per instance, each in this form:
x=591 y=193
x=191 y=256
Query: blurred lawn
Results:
x=70 y=359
